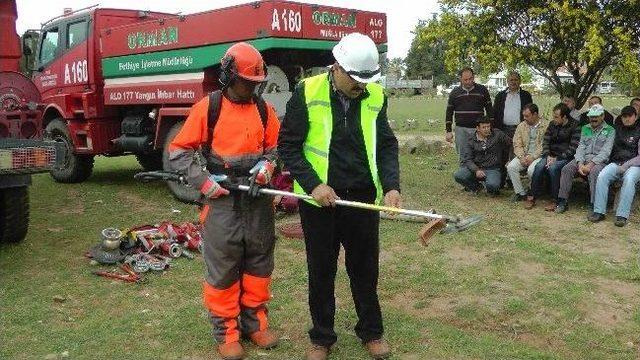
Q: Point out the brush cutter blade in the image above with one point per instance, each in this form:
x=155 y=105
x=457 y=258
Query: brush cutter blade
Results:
x=462 y=224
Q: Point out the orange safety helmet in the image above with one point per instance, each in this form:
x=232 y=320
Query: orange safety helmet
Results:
x=242 y=60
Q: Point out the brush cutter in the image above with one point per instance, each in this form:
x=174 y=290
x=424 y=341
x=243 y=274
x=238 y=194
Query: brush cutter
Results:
x=435 y=222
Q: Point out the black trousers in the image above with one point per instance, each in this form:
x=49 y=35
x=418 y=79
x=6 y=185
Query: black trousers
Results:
x=357 y=230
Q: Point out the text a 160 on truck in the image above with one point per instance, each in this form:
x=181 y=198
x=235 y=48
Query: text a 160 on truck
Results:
x=117 y=82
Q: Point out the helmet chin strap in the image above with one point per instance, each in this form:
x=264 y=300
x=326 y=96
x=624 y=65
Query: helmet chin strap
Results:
x=234 y=97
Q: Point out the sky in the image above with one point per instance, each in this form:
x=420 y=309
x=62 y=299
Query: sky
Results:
x=402 y=16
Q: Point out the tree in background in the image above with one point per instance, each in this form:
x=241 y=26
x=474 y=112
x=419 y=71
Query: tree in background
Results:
x=395 y=68
x=425 y=59
x=582 y=36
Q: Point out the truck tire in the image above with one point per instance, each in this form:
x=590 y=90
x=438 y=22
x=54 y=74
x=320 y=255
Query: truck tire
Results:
x=76 y=168
x=14 y=214
x=181 y=192
x=150 y=162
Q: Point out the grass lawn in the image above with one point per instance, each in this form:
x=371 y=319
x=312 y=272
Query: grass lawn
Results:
x=521 y=285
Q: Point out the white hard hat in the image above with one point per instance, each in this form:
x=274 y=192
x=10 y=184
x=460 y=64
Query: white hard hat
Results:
x=357 y=54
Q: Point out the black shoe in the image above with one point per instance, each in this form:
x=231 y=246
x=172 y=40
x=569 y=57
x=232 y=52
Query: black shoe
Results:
x=595 y=217
x=561 y=207
x=475 y=191
x=620 y=221
x=518 y=197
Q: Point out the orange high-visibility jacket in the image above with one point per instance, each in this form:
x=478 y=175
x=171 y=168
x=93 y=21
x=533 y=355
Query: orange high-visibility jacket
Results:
x=239 y=138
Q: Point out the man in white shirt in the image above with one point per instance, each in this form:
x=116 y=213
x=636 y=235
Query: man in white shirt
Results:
x=509 y=104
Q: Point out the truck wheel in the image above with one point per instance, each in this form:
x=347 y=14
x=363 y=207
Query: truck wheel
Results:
x=76 y=168
x=14 y=214
x=150 y=162
x=181 y=192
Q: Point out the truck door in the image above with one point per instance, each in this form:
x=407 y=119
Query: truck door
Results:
x=74 y=61
x=47 y=76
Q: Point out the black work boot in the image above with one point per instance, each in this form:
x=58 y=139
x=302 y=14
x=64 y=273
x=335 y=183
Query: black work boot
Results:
x=620 y=221
x=595 y=217
x=561 y=206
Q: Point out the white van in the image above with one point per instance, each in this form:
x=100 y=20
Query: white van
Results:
x=606 y=87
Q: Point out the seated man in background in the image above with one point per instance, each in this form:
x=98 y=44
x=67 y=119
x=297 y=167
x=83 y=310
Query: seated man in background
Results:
x=481 y=158
x=592 y=154
x=527 y=147
x=625 y=165
x=558 y=148
x=635 y=103
x=595 y=100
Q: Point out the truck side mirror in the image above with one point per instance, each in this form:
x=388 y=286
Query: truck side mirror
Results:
x=26 y=45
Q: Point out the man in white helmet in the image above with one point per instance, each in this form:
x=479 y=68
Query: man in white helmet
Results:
x=336 y=141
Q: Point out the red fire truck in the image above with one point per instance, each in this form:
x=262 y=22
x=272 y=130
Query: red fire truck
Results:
x=119 y=82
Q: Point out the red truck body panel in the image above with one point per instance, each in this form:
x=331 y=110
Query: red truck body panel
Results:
x=270 y=18
x=10 y=53
x=132 y=60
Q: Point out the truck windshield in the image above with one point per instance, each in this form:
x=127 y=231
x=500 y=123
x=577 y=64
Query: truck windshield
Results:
x=49 y=47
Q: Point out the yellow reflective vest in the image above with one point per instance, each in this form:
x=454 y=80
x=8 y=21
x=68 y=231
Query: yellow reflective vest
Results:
x=316 y=146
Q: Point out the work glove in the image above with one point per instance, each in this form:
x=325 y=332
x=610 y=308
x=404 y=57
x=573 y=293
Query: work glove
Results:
x=261 y=174
x=211 y=189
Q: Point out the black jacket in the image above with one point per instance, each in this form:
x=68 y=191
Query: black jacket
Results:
x=476 y=154
x=498 y=106
x=625 y=145
x=348 y=164
x=468 y=106
x=561 y=141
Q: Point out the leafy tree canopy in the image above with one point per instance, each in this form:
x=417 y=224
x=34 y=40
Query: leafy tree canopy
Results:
x=584 y=37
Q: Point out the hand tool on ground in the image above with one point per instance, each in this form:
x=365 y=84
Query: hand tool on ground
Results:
x=435 y=222
x=129 y=276
x=160 y=175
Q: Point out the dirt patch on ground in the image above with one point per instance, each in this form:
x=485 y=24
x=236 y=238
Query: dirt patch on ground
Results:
x=539 y=342
x=466 y=256
x=603 y=312
x=388 y=256
x=614 y=248
x=611 y=302
x=600 y=242
x=140 y=204
x=595 y=239
x=75 y=206
x=529 y=271
x=626 y=291
x=439 y=307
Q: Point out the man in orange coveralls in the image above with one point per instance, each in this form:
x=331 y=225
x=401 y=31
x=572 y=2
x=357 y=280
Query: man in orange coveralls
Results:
x=238 y=227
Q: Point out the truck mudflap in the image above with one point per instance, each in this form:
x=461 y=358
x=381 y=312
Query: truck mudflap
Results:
x=24 y=157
